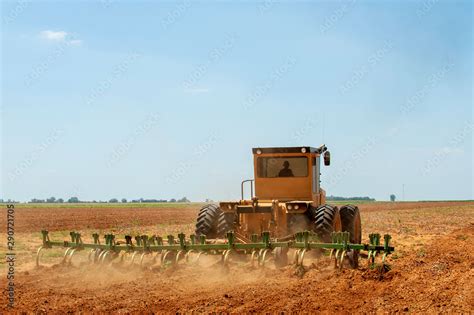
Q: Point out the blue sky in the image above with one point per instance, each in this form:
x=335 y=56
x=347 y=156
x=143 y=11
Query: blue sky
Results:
x=166 y=99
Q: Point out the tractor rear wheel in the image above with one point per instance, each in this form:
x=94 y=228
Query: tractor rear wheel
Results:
x=350 y=218
x=207 y=221
x=326 y=219
x=225 y=223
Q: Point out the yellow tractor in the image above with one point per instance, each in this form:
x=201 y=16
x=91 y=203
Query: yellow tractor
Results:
x=287 y=212
x=285 y=198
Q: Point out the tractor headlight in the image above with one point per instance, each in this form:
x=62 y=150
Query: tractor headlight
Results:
x=229 y=206
x=299 y=207
x=303 y=150
x=259 y=151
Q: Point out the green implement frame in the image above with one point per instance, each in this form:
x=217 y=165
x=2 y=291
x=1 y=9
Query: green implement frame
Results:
x=173 y=249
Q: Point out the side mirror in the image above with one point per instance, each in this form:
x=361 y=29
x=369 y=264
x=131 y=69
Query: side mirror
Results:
x=327 y=158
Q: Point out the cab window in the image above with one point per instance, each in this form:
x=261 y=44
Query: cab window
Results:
x=271 y=167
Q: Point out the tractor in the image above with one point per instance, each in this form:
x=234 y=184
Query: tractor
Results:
x=288 y=211
x=285 y=198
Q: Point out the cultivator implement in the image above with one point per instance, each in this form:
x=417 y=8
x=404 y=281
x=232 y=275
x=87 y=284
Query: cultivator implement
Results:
x=172 y=251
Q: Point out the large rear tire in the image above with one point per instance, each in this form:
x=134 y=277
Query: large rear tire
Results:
x=207 y=221
x=350 y=219
x=326 y=219
x=225 y=223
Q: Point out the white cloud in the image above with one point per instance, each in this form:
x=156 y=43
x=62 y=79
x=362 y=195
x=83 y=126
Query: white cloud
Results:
x=53 y=35
x=60 y=36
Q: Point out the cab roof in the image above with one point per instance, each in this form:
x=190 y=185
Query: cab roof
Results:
x=319 y=150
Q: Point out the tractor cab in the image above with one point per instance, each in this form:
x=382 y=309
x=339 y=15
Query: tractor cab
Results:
x=289 y=173
x=285 y=198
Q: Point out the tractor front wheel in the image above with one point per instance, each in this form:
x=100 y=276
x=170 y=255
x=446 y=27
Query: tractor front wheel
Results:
x=225 y=223
x=326 y=219
x=207 y=221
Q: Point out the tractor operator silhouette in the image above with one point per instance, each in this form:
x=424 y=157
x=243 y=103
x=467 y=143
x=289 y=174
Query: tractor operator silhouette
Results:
x=286 y=171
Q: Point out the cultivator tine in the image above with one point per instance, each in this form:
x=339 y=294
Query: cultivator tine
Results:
x=374 y=240
x=178 y=256
x=186 y=257
x=108 y=258
x=121 y=256
x=164 y=258
x=225 y=257
x=38 y=254
x=198 y=256
x=96 y=255
x=92 y=256
x=299 y=257
x=141 y=259
x=89 y=256
x=343 y=255
x=263 y=257
x=252 y=257
x=387 y=249
x=133 y=258
x=274 y=253
x=65 y=255
x=259 y=257
x=296 y=256
x=342 y=240
x=68 y=262
x=102 y=256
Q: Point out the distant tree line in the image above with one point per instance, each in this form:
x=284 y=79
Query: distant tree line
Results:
x=8 y=201
x=113 y=200
x=337 y=198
